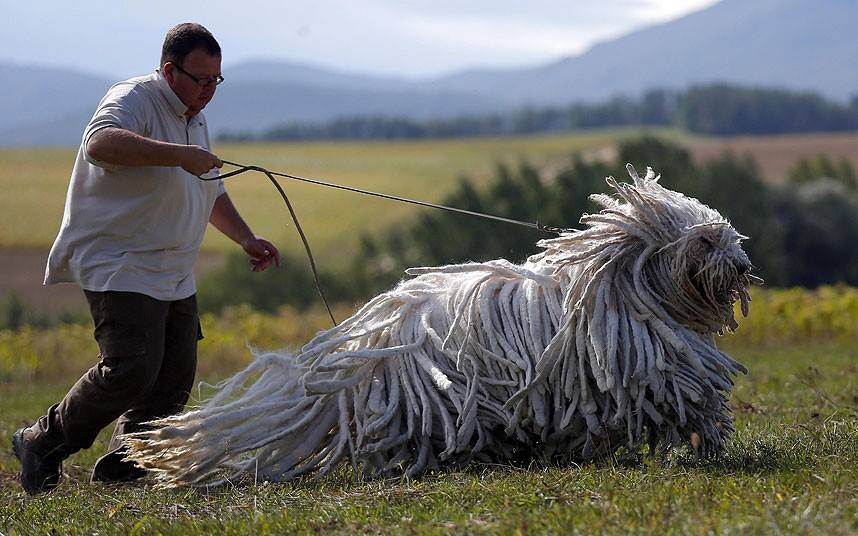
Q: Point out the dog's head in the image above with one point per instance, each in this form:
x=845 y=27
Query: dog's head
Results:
x=709 y=272
x=645 y=286
x=709 y=269
x=689 y=256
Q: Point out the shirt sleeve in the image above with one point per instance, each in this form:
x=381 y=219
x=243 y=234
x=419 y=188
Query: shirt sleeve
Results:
x=210 y=176
x=221 y=189
x=123 y=107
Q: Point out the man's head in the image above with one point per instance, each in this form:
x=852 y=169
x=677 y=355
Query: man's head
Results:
x=190 y=61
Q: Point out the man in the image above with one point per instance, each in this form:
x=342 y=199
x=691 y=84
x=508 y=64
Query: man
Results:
x=135 y=216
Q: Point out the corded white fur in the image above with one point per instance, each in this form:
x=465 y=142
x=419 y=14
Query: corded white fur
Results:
x=603 y=340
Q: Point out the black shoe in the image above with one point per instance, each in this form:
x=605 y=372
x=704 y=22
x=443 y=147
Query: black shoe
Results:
x=39 y=472
x=113 y=468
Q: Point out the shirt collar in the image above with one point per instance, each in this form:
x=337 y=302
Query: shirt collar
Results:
x=174 y=101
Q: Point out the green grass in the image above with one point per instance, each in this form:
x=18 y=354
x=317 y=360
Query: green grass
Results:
x=34 y=182
x=792 y=467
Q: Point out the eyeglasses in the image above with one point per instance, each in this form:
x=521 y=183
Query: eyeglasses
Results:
x=202 y=82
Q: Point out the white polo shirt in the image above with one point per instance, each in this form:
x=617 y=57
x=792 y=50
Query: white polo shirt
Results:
x=135 y=229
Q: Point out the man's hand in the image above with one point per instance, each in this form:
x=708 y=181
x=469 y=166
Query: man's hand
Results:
x=227 y=220
x=262 y=253
x=196 y=160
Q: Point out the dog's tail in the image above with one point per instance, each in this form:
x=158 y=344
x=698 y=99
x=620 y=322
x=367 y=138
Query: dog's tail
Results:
x=376 y=389
x=263 y=410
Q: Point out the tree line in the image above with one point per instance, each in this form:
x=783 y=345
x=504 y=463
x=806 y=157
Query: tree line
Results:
x=802 y=233
x=716 y=109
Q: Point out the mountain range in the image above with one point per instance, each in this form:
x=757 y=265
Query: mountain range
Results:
x=792 y=44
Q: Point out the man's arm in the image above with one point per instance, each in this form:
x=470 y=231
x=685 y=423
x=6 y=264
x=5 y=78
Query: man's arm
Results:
x=226 y=219
x=122 y=147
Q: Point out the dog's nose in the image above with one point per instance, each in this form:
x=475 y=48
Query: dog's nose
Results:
x=742 y=266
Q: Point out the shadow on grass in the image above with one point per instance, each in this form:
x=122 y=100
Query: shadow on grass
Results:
x=751 y=456
x=762 y=453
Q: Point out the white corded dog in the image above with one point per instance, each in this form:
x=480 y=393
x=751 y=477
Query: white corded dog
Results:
x=603 y=340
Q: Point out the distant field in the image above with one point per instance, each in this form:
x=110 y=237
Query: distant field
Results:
x=34 y=183
x=776 y=155
x=34 y=180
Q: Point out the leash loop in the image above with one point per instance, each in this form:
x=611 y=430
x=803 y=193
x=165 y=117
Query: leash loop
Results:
x=242 y=168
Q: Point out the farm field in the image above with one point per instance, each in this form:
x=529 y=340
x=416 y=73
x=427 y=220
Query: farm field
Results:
x=776 y=155
x=792 y=466
x=34 y=181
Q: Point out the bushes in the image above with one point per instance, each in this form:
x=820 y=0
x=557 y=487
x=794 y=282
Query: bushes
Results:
x=62 y=353
x=799 y=234
x=16 y=313
x=798 y=315
x=820 y=233
x=268 y=291
x=808 y=170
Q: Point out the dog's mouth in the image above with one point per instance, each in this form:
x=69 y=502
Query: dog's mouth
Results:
x=739 y=292
x=721 y=294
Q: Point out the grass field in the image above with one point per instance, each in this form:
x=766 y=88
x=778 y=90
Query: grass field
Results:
x=792 y=466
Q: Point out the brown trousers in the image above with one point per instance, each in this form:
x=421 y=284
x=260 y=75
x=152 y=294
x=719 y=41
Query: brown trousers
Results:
x=148 y=358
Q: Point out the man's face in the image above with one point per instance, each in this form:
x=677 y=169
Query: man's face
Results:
x=198 y=64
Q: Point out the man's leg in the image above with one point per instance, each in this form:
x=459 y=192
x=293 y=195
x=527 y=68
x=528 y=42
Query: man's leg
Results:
x=168 y=394
x=130 y=331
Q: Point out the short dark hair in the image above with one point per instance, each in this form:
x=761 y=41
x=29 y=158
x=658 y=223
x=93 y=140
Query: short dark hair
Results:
x=184 y=38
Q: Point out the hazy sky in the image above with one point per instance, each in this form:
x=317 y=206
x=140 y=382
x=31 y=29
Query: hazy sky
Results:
x=404 y=37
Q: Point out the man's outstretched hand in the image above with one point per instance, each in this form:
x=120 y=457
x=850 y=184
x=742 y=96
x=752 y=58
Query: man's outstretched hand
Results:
x=262 y=254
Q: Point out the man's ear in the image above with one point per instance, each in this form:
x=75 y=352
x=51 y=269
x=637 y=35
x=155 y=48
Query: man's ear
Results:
x=169 y=71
